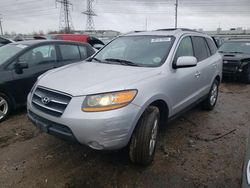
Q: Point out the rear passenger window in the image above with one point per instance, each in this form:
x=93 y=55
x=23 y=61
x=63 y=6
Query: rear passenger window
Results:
x=83 y=52
x=201 y=50
x=185 y=48
x=69 y=52
x=213 y=48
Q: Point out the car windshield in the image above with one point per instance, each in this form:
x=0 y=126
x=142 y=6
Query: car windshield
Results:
x=147 y=51
x=235 y=47
x=10 y=50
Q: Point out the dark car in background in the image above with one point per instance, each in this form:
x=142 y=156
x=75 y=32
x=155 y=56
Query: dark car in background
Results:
x=236 y=59
x=4 y=41
x=22 y=62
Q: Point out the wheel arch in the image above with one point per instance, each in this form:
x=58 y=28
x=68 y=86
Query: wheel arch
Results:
x=11 y=98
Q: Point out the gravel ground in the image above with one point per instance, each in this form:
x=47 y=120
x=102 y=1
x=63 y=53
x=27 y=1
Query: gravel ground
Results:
x=199 y=149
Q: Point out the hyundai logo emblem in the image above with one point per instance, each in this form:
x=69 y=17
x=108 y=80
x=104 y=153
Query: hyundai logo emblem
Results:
x=45 y=100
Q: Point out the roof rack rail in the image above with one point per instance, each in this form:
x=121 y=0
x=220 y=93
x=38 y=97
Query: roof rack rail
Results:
x=182 y=29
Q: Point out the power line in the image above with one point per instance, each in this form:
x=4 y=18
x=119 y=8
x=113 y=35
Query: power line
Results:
x=90 y=14
x=66 y=23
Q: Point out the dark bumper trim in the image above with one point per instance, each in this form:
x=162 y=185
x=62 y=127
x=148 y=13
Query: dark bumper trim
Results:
x=52 y=128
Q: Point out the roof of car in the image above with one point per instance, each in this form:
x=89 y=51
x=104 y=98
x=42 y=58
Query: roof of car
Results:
x=34 y=42
x=164 y=32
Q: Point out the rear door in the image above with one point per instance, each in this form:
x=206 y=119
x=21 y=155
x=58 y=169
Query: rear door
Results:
x=39 y=60
x=206 y=64
x=69 y=53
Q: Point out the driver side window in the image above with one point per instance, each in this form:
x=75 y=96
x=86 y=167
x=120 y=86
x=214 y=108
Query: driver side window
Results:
x=185 y=48
x=39 y=55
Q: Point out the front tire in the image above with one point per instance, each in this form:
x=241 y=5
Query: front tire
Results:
x=143 y=142
x=5 y=107
x=210 y=102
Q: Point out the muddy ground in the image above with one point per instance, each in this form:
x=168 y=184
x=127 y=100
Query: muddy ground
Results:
x=193 y=152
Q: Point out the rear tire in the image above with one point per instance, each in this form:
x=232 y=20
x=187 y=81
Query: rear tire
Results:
x=210 y=102
x=143 y=142
x=5 y=107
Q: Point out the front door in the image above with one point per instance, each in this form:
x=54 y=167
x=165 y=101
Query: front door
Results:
x=185 y=81
x=37 y=61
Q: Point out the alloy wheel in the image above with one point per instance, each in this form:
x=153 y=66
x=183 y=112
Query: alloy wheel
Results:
x=152 y=142
x=3 y=108
x=214 y=94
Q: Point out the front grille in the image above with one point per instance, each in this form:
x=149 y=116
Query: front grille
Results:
x=50 y=102
x=230 y=66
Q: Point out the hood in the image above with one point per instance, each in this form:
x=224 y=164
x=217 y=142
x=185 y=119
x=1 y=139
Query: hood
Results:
x=87 y=78
x=235 y=56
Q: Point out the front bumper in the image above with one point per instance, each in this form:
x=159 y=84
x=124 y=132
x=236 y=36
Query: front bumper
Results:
x=108 y=130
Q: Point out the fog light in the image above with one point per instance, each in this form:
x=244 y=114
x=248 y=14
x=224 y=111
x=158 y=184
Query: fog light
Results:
x=95 y=145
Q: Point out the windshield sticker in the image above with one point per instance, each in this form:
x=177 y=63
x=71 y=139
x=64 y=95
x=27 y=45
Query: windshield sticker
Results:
x=248 y=44
x=21 y=46
x=165 y=39
x=157 y=60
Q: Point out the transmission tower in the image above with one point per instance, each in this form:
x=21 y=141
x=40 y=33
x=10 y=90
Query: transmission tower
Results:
x=90 y=14
x=66 y=23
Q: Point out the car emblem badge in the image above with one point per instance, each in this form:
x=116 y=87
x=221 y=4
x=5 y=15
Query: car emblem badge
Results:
x=45 y=100
x=225 y=62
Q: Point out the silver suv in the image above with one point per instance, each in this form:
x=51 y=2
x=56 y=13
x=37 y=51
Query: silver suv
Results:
x=121 y=95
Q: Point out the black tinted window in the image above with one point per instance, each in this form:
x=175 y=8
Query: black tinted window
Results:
x=212 y=46
x=39 y=55
x=185 y=48
x=83 y=51
x=69 y=52
x=200 y=48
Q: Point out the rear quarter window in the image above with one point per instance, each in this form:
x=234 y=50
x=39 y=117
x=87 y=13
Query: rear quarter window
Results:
x=212 y=47
x=201 y=50
x=69 y=52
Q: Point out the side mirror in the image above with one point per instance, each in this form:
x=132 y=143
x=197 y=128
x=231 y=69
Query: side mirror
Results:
x=20 y=66
x=185 y=62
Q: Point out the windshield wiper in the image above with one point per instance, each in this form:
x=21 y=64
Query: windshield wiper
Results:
x=122 y=62
x=96 y=59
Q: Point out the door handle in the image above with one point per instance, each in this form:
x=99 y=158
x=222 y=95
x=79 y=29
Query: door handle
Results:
x=197 y=74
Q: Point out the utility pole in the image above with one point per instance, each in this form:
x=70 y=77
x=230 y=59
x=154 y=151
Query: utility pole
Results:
x=146 y=24
x=176 y=13
x=66 y=23
x=1 y=26
x=90 y=14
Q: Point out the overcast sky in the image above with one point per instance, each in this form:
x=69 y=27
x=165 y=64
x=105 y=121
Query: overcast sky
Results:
x=23 y=16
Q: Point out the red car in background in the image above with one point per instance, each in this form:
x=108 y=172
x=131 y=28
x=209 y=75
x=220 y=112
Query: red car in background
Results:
x=76 y=37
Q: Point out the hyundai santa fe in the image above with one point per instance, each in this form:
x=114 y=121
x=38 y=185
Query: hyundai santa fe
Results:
x=121 y=95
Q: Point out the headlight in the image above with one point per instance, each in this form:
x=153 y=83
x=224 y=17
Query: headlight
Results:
x=108 y=101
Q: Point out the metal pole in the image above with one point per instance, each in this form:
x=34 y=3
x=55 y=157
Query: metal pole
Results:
x=1 y=27
x=176 y=13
